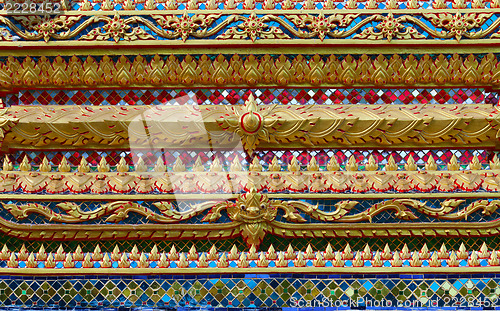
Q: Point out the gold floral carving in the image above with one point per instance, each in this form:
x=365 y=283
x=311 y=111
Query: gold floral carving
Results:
x=116 y=28
x=428 y=25
x=263 y=70
x=253 y=215
x=254 y=27
x=254 y=125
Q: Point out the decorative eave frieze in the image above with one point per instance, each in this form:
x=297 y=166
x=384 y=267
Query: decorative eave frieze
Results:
x=253 y=27
x=327 y=261
x=254 y=70
x=251 y=126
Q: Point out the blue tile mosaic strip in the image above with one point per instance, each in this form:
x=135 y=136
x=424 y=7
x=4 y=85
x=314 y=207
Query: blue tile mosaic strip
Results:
x=253 y=291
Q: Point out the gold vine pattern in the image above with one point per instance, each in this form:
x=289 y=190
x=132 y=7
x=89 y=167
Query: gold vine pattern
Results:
x=251 y=125
x=445 y=25
x=252 y=70
x=275 y=5
x=252 y=215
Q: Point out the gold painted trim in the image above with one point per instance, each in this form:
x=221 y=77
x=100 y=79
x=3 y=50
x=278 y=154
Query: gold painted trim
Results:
x=287 y=270
x=168 y=71
x=224 y=126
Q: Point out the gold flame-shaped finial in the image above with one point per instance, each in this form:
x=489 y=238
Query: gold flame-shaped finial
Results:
x=154 y=255
x=143 y=261
x=435 y=262
x=163 y=263
x=45 y=166
x=106 y=263
x=192 y=254
x=7 y=164
x=103 y=166
x=50 y=262
x=294 y=165
x=391 y=164
x=216 y=166
x=424 y=252
x=410 y=164
x=271 y=253
x=179 y=166
x=452 y=262
x=347 y=254
x=124 y=262
x=255 y=166
x=443 y=252
x=212 y=253
x=313 y=165
x=319 y=262
x=140 y=167
x=262 y=262
x=87 y=261
x=243 y=262
x=338 y=262
x=453 y=165
x=377 y=260
x=31 y=263
x=122 y=166
x=431 y=164
x=462 y=252
x=160 y=166
x=78 y=254
x=97 y=254
x=387 y=254
x=333 y=165
x=222 y=263
x=236 y=165
x=41 y=255
x=415 y=260
x=372 y=164
x=63 y=166
x=351 y=164
x=358 y=260
x=173 y=255
x=396 y=260
x=134 y=254
x=25 y=165
x=281 y=262
x=84 y=166
x=202 y=262
x=60 y=255
x=475 y=164
x=69 y=263
x=115 y=254
x=198 y=166
x=299 y=262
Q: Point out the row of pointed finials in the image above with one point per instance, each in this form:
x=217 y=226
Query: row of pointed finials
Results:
x=252 y=258
x=255 y=165
x=108 y=5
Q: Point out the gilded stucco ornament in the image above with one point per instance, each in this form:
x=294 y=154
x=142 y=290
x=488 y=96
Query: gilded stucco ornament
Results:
x=254 y=27
x=117 y=28
x=390 y=28
x=7 y=122
x=186 y=25
x=255 y=123
x=458 y=25
x=321 y=25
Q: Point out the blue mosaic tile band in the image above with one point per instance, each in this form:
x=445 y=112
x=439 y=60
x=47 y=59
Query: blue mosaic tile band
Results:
x=281 y=291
